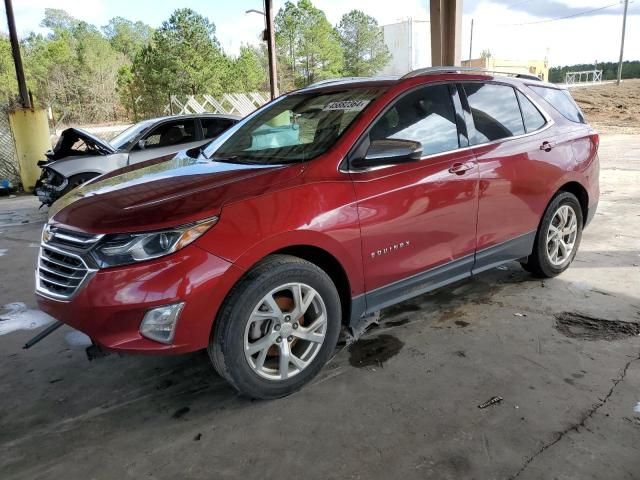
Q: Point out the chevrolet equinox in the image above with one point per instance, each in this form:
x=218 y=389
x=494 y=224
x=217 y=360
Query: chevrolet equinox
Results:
x=317 y=210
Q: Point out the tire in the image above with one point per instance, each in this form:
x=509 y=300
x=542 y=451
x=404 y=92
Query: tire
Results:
x=76 y=180
x=248 y=321
x=542 y=262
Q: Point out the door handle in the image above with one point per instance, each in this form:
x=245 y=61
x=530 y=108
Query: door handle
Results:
x=459 y=168
x=546 y=146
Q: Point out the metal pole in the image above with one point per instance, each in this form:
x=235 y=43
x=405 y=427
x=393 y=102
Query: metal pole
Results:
x=471 y=43
x=17 y=59
x=624 y=25
x=271 y=48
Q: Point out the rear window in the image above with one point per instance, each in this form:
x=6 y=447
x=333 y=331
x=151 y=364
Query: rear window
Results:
x=560 y=100
x=495 y=112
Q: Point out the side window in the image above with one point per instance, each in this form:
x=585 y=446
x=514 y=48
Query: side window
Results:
x=425 y=115
x=495 y=112
x=560 y=100
x=171 y=133
x=533 y=119
x=212 y=127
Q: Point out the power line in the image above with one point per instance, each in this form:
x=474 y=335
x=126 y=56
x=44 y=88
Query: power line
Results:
x=559 y=18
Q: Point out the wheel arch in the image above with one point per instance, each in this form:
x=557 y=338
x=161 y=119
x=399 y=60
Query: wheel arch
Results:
x=330 y=265
x=581 y=194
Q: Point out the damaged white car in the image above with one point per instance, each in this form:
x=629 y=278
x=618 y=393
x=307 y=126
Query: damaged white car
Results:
x=80 y=156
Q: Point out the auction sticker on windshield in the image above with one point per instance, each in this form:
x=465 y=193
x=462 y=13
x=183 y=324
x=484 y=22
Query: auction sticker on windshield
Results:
x=346 y=105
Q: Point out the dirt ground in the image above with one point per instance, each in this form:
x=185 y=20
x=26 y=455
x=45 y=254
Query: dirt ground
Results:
x=611 y=108
x=564 y=355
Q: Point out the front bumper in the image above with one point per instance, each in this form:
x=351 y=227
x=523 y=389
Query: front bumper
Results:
x=112 y=302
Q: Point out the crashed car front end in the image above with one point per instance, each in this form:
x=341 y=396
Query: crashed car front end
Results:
x=50 y=186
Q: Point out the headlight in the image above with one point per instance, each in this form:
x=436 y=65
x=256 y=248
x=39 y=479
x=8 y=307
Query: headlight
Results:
x=126 y=248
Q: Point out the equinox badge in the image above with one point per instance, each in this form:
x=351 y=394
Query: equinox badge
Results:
x=391 y=248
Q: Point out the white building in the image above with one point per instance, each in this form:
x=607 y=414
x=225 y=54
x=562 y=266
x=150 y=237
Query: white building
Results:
x=409 y=43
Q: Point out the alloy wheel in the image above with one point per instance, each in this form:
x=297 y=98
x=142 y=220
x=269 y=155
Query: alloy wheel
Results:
x=285 y=332
x=561 y=235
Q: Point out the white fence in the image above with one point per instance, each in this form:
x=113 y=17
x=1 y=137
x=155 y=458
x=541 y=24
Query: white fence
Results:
x=230 y=103
x=588 y=76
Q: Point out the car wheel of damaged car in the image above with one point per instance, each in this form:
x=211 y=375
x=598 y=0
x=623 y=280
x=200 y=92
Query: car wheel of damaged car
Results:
x=76 y=180
x=277 y=328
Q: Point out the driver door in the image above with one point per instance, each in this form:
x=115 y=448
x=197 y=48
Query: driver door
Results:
x=418 y=219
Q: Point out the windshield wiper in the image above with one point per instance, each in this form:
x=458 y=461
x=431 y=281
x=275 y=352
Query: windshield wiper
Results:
x=233 y=159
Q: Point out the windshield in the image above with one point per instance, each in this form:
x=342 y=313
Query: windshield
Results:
x=295 y=128
x=126 y=139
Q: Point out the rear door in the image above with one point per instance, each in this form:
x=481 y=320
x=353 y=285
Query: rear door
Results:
x=167 y=138
x=514 y=179
x=418 y=219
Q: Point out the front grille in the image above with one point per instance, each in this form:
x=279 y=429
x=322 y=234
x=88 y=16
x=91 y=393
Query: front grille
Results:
x=61 y=267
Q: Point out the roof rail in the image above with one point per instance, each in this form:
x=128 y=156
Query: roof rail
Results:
x=350 y=79
x=454 y=69
x=337 y=79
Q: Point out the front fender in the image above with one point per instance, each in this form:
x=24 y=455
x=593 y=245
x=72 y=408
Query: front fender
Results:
x=100 y=164
x=322 y=215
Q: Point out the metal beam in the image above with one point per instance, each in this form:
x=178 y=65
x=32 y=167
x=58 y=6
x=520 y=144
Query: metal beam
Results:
x=446 y=28
x=17 y=58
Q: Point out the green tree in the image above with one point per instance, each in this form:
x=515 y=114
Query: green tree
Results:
x=184 y=57
x=249 y=70
x=8 y=83
x=127 y=37
x=308 y=46
x=365 y=52
x=58 y=20
x=73 y=69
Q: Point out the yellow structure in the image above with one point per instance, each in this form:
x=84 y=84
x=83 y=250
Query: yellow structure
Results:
x=539 y=68
x=31 y=136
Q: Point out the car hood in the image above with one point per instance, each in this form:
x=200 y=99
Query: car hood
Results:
x=70 y=136
x=162 y=194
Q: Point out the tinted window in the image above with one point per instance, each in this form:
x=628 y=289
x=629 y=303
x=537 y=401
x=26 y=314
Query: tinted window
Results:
x=495 y=112
x=560 y=100
x=171 y=133
x=533 y=119
x=212 y=127
x=295 y=128
x=425 y=116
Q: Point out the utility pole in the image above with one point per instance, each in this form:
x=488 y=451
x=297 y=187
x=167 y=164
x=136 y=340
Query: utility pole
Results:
x=271 y=48
x=17 y=59
x=624 y=25
x=471 y=43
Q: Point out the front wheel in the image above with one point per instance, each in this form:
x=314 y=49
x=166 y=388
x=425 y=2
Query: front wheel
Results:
x=277 y=328
x=558 y=237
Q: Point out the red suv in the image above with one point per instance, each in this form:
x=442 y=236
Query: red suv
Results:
x=320 y=208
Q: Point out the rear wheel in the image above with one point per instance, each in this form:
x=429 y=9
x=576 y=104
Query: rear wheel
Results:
x=277 y=328
x=558 y=237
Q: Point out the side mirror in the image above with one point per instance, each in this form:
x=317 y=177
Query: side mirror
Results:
x=389 y=152
x=142 y=144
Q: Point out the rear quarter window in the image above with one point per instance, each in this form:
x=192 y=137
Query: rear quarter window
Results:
x=495 y=111
x=533 y=119
x=562 y=101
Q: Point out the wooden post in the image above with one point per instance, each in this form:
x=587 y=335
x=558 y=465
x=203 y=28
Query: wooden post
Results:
x=271 y=48
x=446 y=27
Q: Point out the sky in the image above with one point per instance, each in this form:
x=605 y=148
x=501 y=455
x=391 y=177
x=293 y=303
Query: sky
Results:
x=510 y=29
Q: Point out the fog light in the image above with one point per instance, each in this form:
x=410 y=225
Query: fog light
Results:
x=159 y=323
